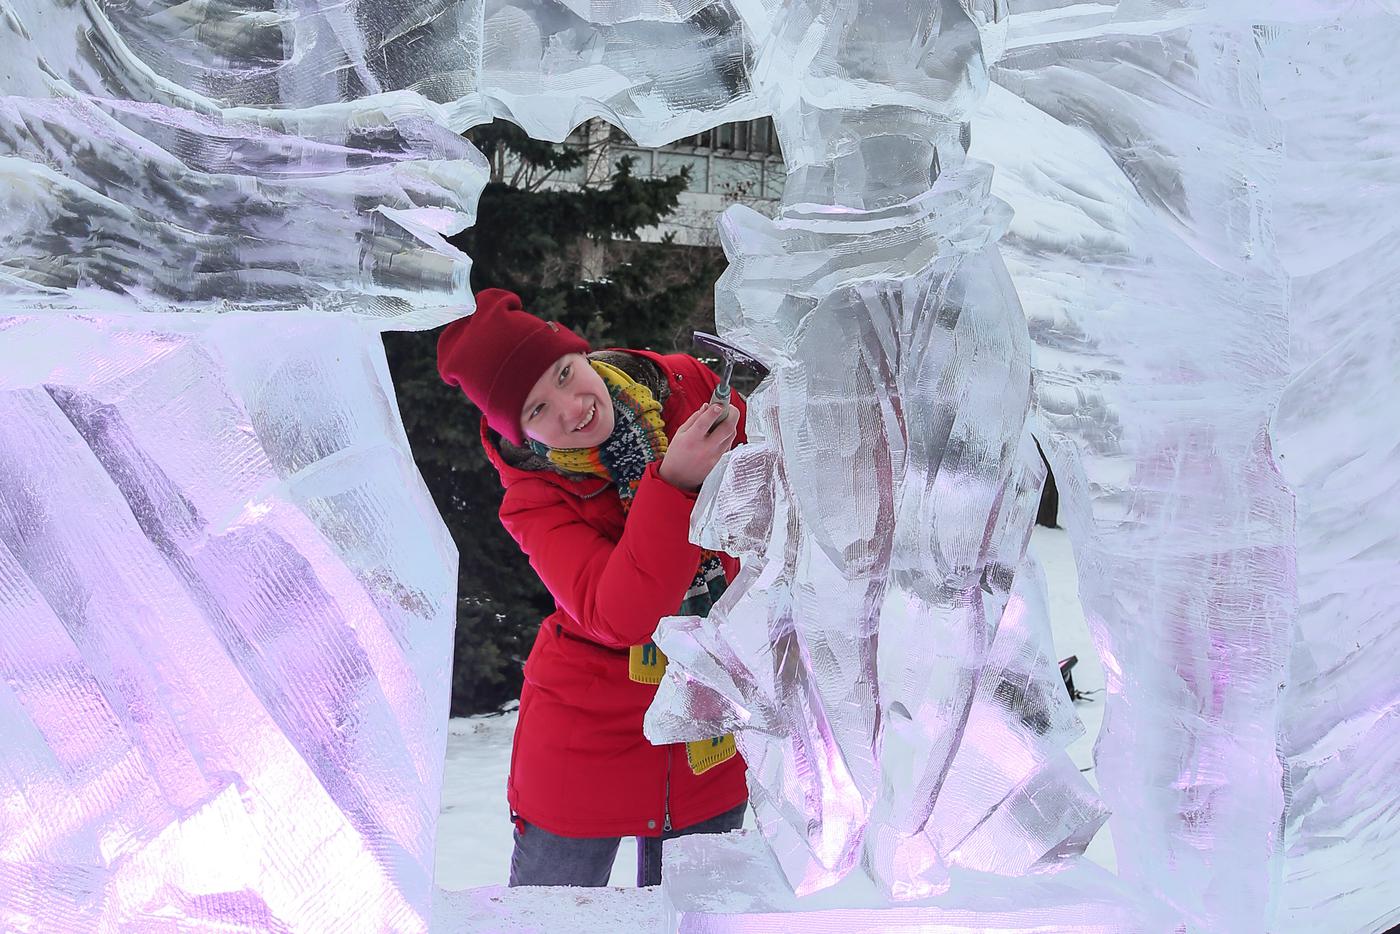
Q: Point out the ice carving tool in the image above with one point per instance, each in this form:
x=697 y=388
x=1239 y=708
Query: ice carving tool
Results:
x=731 y=355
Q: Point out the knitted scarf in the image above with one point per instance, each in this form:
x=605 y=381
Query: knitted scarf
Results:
x=638 y=438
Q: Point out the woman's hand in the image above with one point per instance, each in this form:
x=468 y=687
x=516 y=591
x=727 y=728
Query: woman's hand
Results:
x=693 y=453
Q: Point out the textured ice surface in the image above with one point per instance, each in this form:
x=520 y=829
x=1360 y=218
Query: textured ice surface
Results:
x=227 y=601
x=893 y=686
x=1336 y=437
x=1144 y=253
x=227 y=604
x=657 y=68
x=1201 y=251
x=1082 y=898
x=127 y=192
x=1205 y=246
x=227 y=597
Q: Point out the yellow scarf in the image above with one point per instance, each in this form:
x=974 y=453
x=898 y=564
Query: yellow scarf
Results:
x=638 y=439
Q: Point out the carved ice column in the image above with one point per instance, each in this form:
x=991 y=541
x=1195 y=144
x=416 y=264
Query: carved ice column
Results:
x=880 y=657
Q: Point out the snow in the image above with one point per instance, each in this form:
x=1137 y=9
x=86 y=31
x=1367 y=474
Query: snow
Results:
x=474 y=829
x=537 y=909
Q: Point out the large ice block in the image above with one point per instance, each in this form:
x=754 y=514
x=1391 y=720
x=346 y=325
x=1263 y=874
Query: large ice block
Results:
x=1180 y=293
x=228 y=603
x=1335 y=438
x=1182 y=213
x=1158 y=311
x=228 y=599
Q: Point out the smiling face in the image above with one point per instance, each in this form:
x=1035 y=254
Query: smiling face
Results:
x=569 y=406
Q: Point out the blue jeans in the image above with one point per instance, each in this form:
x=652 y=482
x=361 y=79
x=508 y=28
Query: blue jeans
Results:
x=544 y=858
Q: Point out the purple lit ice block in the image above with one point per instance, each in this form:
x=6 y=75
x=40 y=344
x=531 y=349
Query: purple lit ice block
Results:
x=228 y=607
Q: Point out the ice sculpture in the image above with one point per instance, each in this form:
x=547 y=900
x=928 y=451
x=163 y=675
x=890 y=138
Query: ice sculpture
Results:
x=226 y=596
x=1149 y=153
x=1334 y=437
x=1129 y=255
x=891 y=487
x=219 y=647
x=227 y=602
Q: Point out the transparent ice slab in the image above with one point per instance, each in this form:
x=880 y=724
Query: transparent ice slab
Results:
x=228 y=601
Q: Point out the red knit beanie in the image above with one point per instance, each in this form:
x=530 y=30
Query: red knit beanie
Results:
x=496 y=354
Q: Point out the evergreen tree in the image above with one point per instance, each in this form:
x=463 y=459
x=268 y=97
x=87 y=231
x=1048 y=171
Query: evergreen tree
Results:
x=574 y=255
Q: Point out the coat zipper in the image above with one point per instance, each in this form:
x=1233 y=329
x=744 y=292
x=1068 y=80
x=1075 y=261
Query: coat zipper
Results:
x=666 y=825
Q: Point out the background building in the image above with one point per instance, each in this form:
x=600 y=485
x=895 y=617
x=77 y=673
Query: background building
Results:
x=732 y=163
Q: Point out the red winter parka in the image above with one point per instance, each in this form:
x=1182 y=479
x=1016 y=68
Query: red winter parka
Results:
x=581 y=766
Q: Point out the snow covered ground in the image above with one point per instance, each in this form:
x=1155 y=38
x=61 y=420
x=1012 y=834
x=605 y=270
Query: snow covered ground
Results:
x=474 y=831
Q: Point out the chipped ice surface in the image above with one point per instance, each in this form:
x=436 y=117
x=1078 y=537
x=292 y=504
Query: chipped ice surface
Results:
x=1201 y=251
x=898 y=709
x=1336 y=437
x=228 y=604
x=868 y=617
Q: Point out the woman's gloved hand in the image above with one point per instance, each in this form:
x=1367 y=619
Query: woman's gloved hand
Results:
x=695 y=450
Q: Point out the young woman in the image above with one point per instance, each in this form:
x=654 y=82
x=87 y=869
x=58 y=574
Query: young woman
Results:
x=601 y=456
